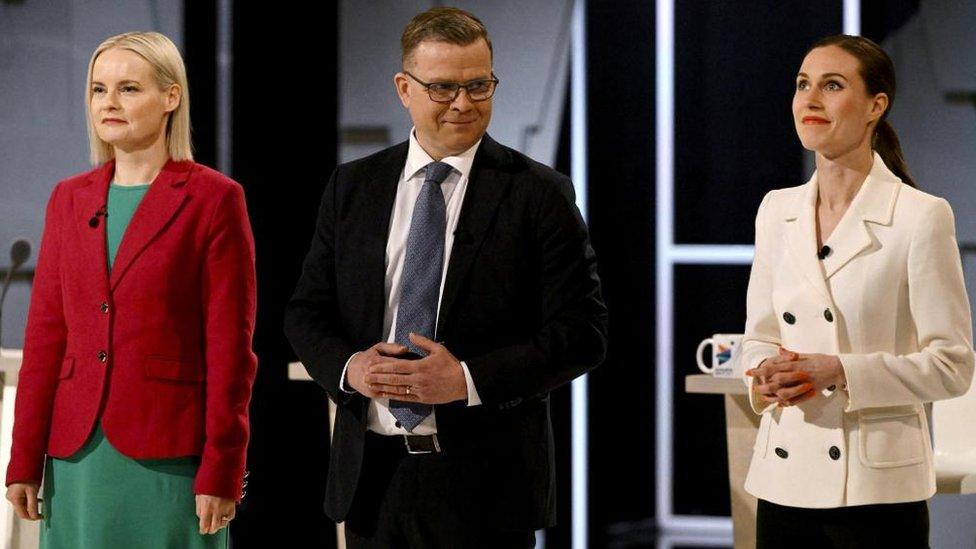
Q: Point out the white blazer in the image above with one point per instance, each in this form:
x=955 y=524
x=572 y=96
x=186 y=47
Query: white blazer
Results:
x=889 y=300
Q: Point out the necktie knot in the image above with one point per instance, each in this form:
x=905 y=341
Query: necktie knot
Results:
x=437 y=172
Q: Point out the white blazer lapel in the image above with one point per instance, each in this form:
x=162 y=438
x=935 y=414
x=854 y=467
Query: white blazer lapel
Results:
x=874 y=203
x=801 y=238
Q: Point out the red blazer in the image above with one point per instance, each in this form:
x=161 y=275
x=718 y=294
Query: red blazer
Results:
x=160 y=349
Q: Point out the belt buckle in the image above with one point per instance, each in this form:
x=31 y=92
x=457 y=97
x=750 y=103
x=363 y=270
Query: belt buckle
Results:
x=415 y=451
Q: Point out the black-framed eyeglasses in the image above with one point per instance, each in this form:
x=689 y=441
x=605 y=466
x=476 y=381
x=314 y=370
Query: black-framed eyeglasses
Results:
x=446 y=92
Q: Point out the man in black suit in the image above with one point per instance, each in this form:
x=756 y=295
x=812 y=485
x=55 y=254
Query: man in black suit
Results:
x=449 y=287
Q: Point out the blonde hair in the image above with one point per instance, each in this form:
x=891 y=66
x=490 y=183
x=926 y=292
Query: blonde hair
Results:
x=167 y=64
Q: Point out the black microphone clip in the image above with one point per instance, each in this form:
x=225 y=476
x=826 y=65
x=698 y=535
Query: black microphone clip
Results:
x=824 y=252
x=93 y=222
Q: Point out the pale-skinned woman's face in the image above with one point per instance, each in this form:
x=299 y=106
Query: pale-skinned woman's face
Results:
x=127 y=108
x=832 y=110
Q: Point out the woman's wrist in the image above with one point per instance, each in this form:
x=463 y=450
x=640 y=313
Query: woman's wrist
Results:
x=840 y=376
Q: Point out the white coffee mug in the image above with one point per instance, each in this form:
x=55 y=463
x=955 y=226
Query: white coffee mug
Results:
x=725 y=347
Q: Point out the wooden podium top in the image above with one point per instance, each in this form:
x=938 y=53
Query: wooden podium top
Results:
x=10 y=360
x=297 y=372
x=705 y=383
x=13 y=354
x=10 y=364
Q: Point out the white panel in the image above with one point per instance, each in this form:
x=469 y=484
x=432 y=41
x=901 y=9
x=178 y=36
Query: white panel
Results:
x=580 y=429
x=852 y=17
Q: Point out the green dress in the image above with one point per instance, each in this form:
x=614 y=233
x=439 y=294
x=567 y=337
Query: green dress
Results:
x=101 y=499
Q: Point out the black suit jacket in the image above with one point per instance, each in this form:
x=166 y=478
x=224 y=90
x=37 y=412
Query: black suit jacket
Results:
x=521 y=306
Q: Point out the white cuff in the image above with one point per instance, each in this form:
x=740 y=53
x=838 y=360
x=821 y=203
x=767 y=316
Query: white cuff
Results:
x=473 y=398
x=342 y=380
x=759 y=406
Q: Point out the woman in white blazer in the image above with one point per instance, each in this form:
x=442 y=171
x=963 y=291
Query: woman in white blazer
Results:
x=857 y=316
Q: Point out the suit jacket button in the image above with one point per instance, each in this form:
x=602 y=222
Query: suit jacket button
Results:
x=828 y=315
x=789 y=318
x=102 y=356
x=397 y=424
x=104 y=307
x=834 y=453
x=782 y=453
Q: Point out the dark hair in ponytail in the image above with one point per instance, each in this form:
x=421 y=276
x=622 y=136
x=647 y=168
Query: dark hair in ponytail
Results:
x=878 y=73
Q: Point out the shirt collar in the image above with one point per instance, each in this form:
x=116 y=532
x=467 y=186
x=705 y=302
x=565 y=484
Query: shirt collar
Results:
x=417 y=158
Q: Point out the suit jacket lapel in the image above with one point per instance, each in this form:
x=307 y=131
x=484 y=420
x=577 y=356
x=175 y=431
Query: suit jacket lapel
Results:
x=378 y=193
x=801 y=238
x=88 y=199
x=874 y=203
x=850 y=237
x=487 y=184
x=162 y=201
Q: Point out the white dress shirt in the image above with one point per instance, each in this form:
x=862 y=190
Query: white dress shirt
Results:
x=411 y=182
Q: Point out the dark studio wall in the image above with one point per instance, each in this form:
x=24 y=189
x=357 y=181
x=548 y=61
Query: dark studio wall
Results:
x=620 y=120
x=284 y=148
x=200 y=57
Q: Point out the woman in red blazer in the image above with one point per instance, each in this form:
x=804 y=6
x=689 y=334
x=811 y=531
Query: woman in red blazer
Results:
x=137 y=366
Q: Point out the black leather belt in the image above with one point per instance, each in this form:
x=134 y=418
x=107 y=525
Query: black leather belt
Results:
x=414 y=444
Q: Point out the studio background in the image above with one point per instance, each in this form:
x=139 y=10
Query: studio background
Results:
x=280 y=93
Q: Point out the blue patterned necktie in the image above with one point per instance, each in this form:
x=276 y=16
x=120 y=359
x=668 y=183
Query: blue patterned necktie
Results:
x=420 y=282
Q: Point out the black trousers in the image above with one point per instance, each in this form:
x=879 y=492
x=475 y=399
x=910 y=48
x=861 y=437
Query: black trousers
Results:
x=421 y=501
x=901 y=525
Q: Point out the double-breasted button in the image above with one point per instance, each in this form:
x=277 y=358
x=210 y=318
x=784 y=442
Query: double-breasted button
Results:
x=103 y=307
x=834 y=453
x=828 y=315
x=397 y=424
x=102 y=356
x=782 y=453
x=789 y=318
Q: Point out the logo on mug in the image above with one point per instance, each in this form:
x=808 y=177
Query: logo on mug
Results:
x=724 y=350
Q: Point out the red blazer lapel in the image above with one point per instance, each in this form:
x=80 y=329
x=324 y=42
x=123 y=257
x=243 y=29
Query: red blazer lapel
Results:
x=88 y=200
x=165 y=196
